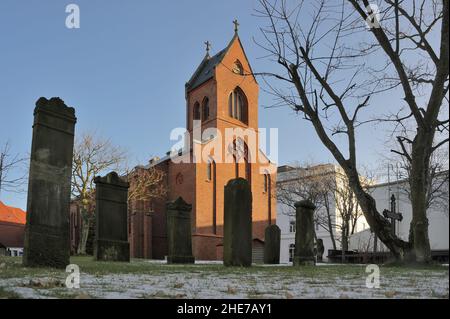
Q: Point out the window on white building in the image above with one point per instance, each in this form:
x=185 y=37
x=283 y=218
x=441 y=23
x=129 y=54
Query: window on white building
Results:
x=292 y=226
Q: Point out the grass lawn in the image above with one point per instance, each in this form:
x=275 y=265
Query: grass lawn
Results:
x=154 y=279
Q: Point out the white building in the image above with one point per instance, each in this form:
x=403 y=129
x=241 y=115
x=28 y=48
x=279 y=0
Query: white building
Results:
x=363 y=239
x=14 y=251
x=293 y=177
x=437 y=215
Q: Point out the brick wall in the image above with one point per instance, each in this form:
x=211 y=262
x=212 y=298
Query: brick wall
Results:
x=11 y=234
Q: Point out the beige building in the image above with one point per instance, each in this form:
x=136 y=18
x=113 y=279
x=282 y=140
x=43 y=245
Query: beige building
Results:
x=327 y=187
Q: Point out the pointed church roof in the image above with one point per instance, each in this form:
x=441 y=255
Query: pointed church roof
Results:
x=205 y=70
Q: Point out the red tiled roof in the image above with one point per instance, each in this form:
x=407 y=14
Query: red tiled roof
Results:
x=12 y=215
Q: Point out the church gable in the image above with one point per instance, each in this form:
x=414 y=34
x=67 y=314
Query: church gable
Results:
x=232 y=57
x=235 y=60
x=237 y=89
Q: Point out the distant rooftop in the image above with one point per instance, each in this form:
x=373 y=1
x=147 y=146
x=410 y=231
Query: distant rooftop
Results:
x=10 y=214
x=284 y=168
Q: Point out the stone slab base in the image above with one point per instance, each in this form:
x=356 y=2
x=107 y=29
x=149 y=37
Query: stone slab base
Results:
x=111 y=250
x=46 y=248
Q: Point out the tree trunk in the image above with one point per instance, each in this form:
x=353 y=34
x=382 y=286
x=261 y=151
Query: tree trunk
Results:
x=333 y=240
x=420 y=159
x=344 y=245
x=345 y=234
x=380 y=226
x=330 y=224
x=84 y=231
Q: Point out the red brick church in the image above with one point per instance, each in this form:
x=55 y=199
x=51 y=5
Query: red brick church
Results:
x=222 y=93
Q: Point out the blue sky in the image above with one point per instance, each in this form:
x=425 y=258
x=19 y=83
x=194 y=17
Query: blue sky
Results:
x=124 y=71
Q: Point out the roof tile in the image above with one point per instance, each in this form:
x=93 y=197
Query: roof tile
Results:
x=12 y=215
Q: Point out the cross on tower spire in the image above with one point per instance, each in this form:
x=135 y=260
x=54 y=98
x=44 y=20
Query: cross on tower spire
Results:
x=236 y=25
x=208 y=47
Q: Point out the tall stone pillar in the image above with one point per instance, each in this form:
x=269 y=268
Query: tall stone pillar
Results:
x=304 y=233
x=272 y=241
x=47 y=237
x=237 y=242
x=111 y=208
x=179 y=236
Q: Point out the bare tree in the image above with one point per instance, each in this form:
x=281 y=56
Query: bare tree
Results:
x=337 y=209
x=438 y=179
x=146 y=184
x=11 y=179
x=330 y=53
x=327 y=219
x=92 y=156
x=347 y=207
x=311 y=182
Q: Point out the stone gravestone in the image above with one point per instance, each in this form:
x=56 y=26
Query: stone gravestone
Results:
x=111 y=210
x=272 y=240
x=304 y=233
x=179 y=237
x=237 y=242
x=47 y=240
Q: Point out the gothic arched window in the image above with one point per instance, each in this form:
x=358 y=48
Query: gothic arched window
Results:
x=230 y=105
x=196 y=111
x=209 y=171
x=237 y=105
x=205 y=109
x=213 y=177
x=241 y=154
x=248 y=167
x=268 y=191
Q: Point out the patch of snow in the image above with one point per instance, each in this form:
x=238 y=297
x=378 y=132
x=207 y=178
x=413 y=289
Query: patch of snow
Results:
x=254 y=283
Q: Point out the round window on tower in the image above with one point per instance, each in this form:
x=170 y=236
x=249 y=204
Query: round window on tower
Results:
x=237 y=67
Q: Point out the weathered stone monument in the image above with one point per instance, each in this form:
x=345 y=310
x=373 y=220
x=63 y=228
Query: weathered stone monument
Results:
x=272 y=243
x=111 y=210
x=304 y=233
x=179 y=237
x=47 y=238
x=237 y=242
